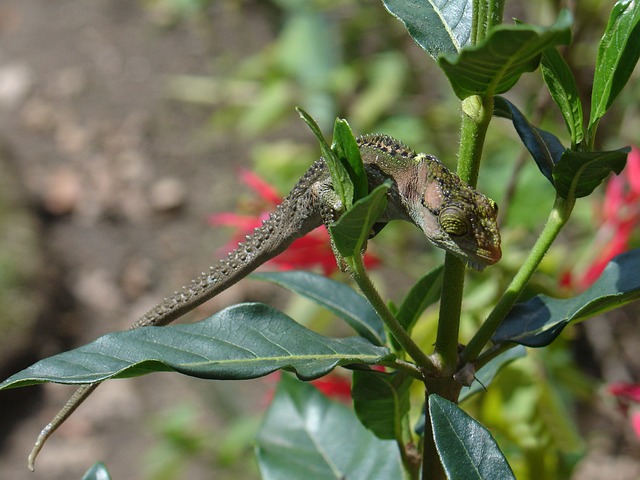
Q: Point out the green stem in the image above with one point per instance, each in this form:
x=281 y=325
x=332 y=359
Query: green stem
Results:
x=446 y=346
x=399 y=333
x=407 y=367
x=496 y=10
x=557 y=219
x=476 y=115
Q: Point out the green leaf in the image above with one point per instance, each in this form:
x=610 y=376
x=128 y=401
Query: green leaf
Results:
x=564 y=91
x=577 y=174
x=496 y=64
x=351 y=230
x=346 y=149
x=438 y=27
x=423 y=294
x=486 y=374
x=244 y=341
x=338 y=298
x=466 y=448
x=98 y=471
x=381 y=400
x=618 y=54
x=306 y=435
x=539 y=321
x=342 y=183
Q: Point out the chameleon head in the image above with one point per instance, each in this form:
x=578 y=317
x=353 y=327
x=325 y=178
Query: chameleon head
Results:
x=455 y=216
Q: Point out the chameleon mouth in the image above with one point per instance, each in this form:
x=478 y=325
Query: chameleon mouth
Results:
x=484 y=258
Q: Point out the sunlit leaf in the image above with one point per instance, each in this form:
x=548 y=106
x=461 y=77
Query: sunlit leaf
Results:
x=98 y=471
x=495 y=65
x=564 y=91
x=438 y=26
x=342 y=184
x=244 y=341
x=618 y=54
x=305 y=435
x=346 y=149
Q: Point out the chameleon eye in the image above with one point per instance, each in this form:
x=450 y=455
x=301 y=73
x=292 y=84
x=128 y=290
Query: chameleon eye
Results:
x=453 y=221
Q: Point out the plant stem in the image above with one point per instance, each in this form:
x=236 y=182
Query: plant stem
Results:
x=406 y=367
x=557 y=219
x=476 y=115
x=446 y=346
x=399 y=333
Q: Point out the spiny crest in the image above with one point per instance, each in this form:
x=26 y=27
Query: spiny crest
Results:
x=387 y=144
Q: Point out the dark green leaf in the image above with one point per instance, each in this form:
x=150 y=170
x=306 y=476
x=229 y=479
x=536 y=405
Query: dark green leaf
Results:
x=618 y=54
x=342 y=184
x=544 y=147
x=381 y=401
x=486 y=374
x=338 y=298
x=496 y=64
x=438 y=27
x=352 y=229
x=98 y=471
x=577 y=174
x=346 y=149
x=423 y=294
x=307 y=436
x=564 y=91
x=466 y=448
x=244 y=341
x=539 y=321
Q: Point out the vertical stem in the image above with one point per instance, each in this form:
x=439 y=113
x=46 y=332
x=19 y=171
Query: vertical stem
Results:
x=431 y=466
x=476 y=115
x=446 y=346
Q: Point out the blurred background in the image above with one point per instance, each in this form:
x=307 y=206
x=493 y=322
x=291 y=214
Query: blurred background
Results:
x=124 y=129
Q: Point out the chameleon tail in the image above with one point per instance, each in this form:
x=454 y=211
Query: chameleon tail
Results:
x=65 y=412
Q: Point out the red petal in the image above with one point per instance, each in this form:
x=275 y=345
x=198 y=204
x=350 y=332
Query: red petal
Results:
x=628 y=391
x=260 y=186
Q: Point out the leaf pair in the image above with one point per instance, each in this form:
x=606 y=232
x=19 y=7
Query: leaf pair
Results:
x=343 y=160
x=489 y=68
x=573 y=173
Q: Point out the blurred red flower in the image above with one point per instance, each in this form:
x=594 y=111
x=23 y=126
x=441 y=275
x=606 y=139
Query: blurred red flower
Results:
x=312 y=250
x=620 y=216
x=628 y=398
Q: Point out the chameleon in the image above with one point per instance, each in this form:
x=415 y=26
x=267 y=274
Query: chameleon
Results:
x=450 y=213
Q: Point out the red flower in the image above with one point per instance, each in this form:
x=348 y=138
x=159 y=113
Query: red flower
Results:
x=333 y=385
x=620 y=215
x=628 y=397
x=312 y=250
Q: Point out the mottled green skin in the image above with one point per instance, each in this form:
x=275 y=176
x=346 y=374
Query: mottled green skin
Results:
x=452 y=215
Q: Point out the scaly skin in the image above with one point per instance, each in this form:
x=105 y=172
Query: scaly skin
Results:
x=452 y=215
